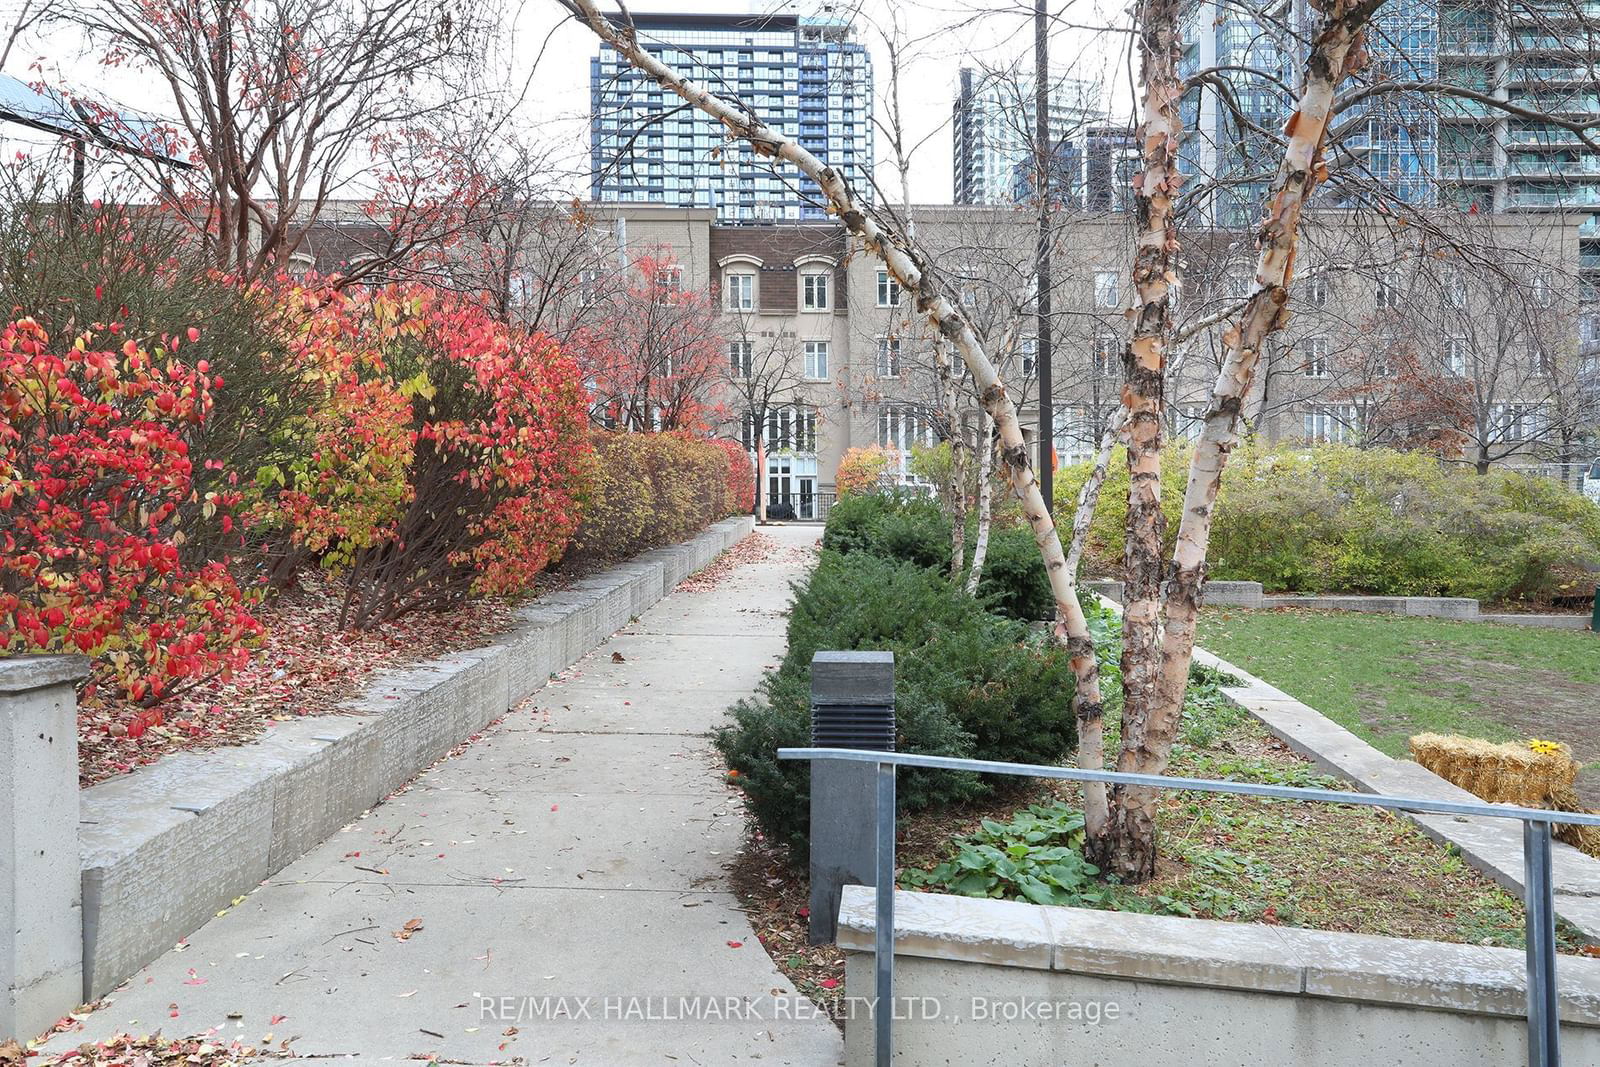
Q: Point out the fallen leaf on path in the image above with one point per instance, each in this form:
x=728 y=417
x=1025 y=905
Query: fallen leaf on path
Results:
x=405 y=932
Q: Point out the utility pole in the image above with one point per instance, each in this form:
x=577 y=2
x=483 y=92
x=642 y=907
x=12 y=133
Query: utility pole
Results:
x=1041 y=126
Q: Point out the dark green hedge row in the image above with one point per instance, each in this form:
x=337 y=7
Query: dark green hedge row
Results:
x=967 y=681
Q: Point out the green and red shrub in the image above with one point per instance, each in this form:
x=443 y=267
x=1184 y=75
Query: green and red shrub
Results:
x=97 y=489
x=741 y=477
x=347 y=490
x=649 y=489
x=497 y=429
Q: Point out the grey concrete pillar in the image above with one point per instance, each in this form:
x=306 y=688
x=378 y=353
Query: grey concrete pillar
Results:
x=852 y=706
x=41 y=911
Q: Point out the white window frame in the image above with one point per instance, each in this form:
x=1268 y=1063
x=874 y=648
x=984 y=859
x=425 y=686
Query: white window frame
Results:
x=1317 y=289
x=1107 y=288
x=816 y=360
x=1317 y=352
x=1074 y=435
x=741 y=358
x=1456 y=356
x=669 y=283
x=888 y=357
x=1107 y=352
x=739 y=290
x=1332 y=423
x=1386 y=292
x=889 y=292
x=812 y=284
x=1543 y=294
x=900 y=427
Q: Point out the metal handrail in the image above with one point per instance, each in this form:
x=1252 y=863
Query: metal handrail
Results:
x=1544 y=1037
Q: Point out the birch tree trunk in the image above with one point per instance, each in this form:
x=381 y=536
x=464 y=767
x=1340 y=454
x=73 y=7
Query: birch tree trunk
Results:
x=1089 y=492
x=945 y=400
x=1145 y=367
x=958 y=499
x=907 y=264
x=980 y=543
x=1149 y=730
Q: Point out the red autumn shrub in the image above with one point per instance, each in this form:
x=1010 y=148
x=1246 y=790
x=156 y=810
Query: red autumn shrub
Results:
x=498 y=443
x=650 y=489
x=741 y=477
x=96 y=479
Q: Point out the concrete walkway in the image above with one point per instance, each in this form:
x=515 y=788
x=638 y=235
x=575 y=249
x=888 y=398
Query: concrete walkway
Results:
x=576 y=851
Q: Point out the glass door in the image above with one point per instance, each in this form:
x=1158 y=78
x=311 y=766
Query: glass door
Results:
x=806 y=505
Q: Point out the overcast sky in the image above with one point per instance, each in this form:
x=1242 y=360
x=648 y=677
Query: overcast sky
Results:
x=553 y=52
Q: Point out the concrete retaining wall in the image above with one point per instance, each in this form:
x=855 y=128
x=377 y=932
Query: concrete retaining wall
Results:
x=1549 y=622
x=168 y=846
x=1442 y=607
x=1236 y=594
x=988 y=981
x=1249 y=595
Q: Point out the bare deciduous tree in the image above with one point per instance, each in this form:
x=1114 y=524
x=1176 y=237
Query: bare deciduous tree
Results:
x=286 y=102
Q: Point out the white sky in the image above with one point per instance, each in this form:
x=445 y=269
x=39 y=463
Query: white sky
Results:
x=944 y=34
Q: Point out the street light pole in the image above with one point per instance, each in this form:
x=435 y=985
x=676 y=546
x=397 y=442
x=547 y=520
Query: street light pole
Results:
x=1042 y=356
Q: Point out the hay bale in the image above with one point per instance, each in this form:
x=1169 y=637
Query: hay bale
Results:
x=1584 y=838
x=1511 y=773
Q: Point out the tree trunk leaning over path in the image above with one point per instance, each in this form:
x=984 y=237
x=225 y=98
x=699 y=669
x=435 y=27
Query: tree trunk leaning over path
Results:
x=1143 y=396
x=980 y=545
x=1147 y=739
x=905 y=262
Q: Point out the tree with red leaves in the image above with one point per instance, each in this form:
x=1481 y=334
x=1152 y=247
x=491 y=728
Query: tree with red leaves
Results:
x=652 y=358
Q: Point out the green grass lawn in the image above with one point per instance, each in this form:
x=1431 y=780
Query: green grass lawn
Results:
x=1386 y=677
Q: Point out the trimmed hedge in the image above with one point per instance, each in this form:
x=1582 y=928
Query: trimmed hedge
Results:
x=1336 y=519
x=649 y=489
x=899 y=526
x=967 y=683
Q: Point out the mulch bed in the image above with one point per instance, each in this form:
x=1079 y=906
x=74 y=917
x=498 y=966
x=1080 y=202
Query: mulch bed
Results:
x=306 y=665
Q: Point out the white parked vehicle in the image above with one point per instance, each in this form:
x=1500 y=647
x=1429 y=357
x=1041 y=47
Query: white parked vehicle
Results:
x=1591 y=482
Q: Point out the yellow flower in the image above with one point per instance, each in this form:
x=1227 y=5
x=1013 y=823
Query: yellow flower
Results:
x=1544 y=747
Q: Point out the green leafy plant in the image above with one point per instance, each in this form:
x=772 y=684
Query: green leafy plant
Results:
x=1037 y=856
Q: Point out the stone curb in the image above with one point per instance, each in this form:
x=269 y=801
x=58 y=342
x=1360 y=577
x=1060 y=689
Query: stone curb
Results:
x=1461 y=609
x=169 y=846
